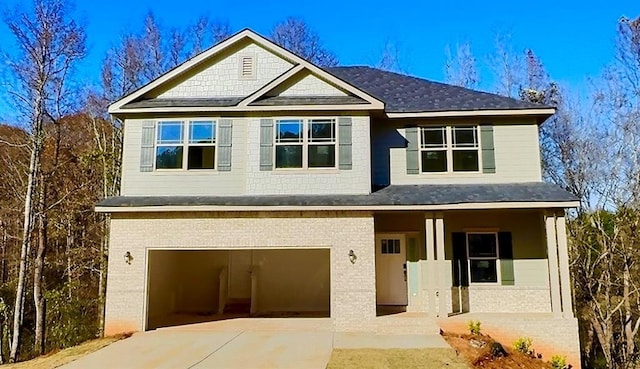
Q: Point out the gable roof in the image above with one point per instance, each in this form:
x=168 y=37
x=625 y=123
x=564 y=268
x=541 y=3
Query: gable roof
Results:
x=120 y=106
x=406 y=94
x=401 y=96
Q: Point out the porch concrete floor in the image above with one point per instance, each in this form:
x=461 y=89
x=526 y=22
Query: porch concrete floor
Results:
x=244 y=343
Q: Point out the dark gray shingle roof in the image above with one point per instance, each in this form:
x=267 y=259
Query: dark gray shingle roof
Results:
x=392 y=195
x=308 y=100
x=184 y=103
x=407 y=94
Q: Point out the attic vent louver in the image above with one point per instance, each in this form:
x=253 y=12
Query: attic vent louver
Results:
x=247 y=67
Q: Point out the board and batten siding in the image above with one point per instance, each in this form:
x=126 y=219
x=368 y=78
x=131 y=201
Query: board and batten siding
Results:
x=245 y=176
x=517 y=158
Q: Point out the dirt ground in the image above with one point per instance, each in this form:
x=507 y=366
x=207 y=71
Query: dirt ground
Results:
x=62 y=357
x=395 y=358
x=481 y=358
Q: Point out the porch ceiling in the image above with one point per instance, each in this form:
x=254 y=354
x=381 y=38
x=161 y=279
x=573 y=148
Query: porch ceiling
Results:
x=426 y=197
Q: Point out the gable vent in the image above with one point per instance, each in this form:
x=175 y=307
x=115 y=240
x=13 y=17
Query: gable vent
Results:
x=247 y=67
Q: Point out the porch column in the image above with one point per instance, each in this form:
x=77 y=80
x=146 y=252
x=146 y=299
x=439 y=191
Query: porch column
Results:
x=429 y=232
x=442 y=267
x=552 y=256
x=563 y=261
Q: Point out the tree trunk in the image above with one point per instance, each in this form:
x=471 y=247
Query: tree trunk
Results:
x=69 y=247
x=27 y=229
x=38 y=297
x=3 y=228
x=102 y=284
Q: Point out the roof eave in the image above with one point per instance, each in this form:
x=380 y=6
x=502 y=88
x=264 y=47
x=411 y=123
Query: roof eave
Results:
x=544 y=112
x=433 y=207
x=251 y=108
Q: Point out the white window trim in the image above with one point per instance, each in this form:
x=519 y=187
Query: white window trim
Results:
x=305 y=144
x=450 y=149
x=186 y=124
x=498 y=281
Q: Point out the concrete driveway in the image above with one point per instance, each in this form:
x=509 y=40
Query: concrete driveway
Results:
x=201 y=349
x=296 y=343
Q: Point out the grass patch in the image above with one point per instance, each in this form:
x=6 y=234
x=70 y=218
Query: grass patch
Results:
x=395 y=358
x=62 y=357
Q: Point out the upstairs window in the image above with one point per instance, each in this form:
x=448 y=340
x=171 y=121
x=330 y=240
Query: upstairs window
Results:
x=449 y=149
x=170 y=145
x=202 y=145
x=305 y=143
x=199 y=145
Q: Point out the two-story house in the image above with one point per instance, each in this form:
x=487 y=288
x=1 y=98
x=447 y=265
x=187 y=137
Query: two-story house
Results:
x=255 y=183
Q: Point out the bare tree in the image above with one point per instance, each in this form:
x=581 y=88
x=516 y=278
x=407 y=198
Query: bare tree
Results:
x=49 y=43
x=295 y=35
x=461 y=68
x=507 y=67
x=390 y=58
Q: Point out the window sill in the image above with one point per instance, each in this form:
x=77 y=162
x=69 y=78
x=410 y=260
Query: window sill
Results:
x=169 y=172
x=493 y=286
x=305 y=171
x=455 y=174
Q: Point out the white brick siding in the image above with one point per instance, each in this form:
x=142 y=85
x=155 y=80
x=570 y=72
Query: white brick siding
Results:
x=352 y=285
x=509 y=299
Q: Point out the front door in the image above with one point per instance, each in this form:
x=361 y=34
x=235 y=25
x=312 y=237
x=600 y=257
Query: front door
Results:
x=391 y=273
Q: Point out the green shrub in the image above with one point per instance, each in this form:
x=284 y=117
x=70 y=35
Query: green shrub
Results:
x=523 y=344
x=558 y=362
x=474 y=326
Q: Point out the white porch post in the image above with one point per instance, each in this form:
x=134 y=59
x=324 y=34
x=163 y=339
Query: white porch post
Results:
x=563 y=261
x=442 y=267
x=552 y=255
x=429 y=232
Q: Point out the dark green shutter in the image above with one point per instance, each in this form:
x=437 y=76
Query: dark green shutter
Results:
x=488 y=149
x=460 y=270
x=147 y=145
x=225 y=137
x=412 y=150
x=344 y=143
x=506 y=258
x=266 y=144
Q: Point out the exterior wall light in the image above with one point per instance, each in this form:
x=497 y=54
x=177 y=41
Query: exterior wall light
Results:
x=128 y=257
x=352 y=257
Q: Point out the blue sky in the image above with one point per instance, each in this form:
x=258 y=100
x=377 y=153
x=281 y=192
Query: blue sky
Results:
x=573 y=38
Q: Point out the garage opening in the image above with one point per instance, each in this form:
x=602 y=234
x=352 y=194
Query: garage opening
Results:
x=192 y=286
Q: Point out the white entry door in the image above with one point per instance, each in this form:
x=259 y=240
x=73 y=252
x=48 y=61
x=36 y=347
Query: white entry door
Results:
x=391 y=275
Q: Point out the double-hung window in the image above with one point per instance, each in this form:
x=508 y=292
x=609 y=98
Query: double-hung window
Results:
x=190 y=145
x=305 y=143
x=449 y=149
x=483 y=254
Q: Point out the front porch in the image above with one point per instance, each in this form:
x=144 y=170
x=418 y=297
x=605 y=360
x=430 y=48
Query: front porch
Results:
x=507 y=268
x=473 y=261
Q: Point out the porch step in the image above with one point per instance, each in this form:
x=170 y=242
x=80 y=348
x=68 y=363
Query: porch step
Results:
x=407 y=323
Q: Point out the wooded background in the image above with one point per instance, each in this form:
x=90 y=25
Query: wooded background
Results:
x=63 y=155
